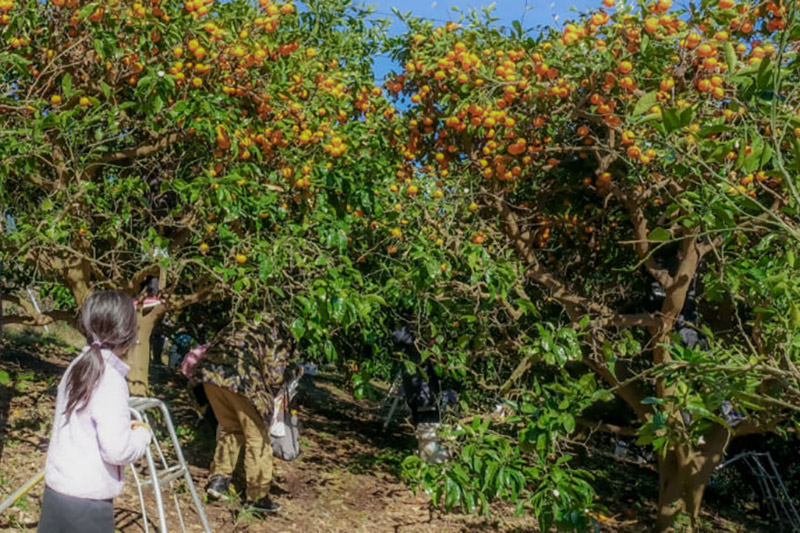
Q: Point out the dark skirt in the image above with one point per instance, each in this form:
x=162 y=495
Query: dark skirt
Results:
x=67 y=514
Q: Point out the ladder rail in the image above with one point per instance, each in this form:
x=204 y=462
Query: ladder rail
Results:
x=141 y=500
x=162 y=519
x=393 y=397
x=786 y=502
x=142 y=404
x=766 y=488
x=179 y=453
x=770 y=483
x=169 y=475
x=22 y=491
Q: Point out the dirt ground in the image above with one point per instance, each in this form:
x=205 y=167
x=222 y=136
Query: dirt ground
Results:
x=346 y=479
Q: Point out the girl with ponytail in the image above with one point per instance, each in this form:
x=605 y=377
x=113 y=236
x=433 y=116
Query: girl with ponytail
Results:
x=93 y=437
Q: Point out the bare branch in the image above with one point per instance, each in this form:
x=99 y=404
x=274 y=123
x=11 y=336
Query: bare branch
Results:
x=34 y=317
x=143 y=150
x=594 y=425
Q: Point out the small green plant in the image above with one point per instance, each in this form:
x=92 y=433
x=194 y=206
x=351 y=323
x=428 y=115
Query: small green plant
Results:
x=246 y=516
x=184 y=431
x=232 y=498
x=24 y=381
x=23 y=504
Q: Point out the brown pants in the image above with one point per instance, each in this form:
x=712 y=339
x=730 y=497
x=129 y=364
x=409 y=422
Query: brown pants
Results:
x=240 y=424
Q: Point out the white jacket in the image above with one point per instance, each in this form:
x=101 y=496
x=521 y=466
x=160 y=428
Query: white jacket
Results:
x=88 y=452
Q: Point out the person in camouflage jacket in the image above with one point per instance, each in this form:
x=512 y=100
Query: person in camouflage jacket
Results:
x=249 y=360
x=242 y=371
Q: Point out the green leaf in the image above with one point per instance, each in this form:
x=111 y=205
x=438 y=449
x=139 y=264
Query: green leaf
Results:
x=753 y=161
x=740 y=157
x=5 y=379
x=652 y=117
x=105 y=89
x=145 y=84
x=158 y=104
x=730 y=56
x=645 y=103
x=66 y=86
x=87 y=10
x=180 y=107
x=568 y=421
x=671 y=119
x=330 y=351
x=602 y=395
x=650 y=400
x=711 y=130
x=764 y=76
x=277 y=290
x=795 y=142
x=794 y=315
x=659 y=235
x=99 y=48
x=517 y=28
x=298 y=327
x=686 y=116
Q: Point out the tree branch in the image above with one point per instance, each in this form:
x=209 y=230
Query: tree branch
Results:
x=644 y=320
x=640 y=230
x=145 y=149
x=177 y=302
x=575 y=305
x=132 y=287
x=623 y=431
x=627 y=391
x=33 y=317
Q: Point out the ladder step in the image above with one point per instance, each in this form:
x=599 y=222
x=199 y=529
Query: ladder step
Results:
x=166 y=476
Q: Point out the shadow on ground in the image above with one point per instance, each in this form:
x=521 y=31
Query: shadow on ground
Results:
x=346 y=480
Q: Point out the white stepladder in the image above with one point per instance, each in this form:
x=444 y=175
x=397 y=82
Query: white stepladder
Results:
x=167 y=474
x=393 y=396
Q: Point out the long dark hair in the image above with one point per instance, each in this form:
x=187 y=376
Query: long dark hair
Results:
x=108 y=319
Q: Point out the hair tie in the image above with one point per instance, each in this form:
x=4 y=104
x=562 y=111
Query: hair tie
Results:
x=97 y=343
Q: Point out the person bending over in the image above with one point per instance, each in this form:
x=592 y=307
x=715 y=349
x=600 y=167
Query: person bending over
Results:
x=241 y=371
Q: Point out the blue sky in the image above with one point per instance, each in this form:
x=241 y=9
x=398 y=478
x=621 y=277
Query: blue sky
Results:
x=532 y=13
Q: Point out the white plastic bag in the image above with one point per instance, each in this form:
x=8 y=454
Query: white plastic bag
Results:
x=277 y=428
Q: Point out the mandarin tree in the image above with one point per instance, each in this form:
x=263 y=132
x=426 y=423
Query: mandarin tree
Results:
x=630 y=178
x=225 y=148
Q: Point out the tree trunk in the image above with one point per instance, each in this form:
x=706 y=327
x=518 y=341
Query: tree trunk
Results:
x=670 y=504
x=683 y=476
x=2 y=230
x=76 y=278
x=139 y=357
